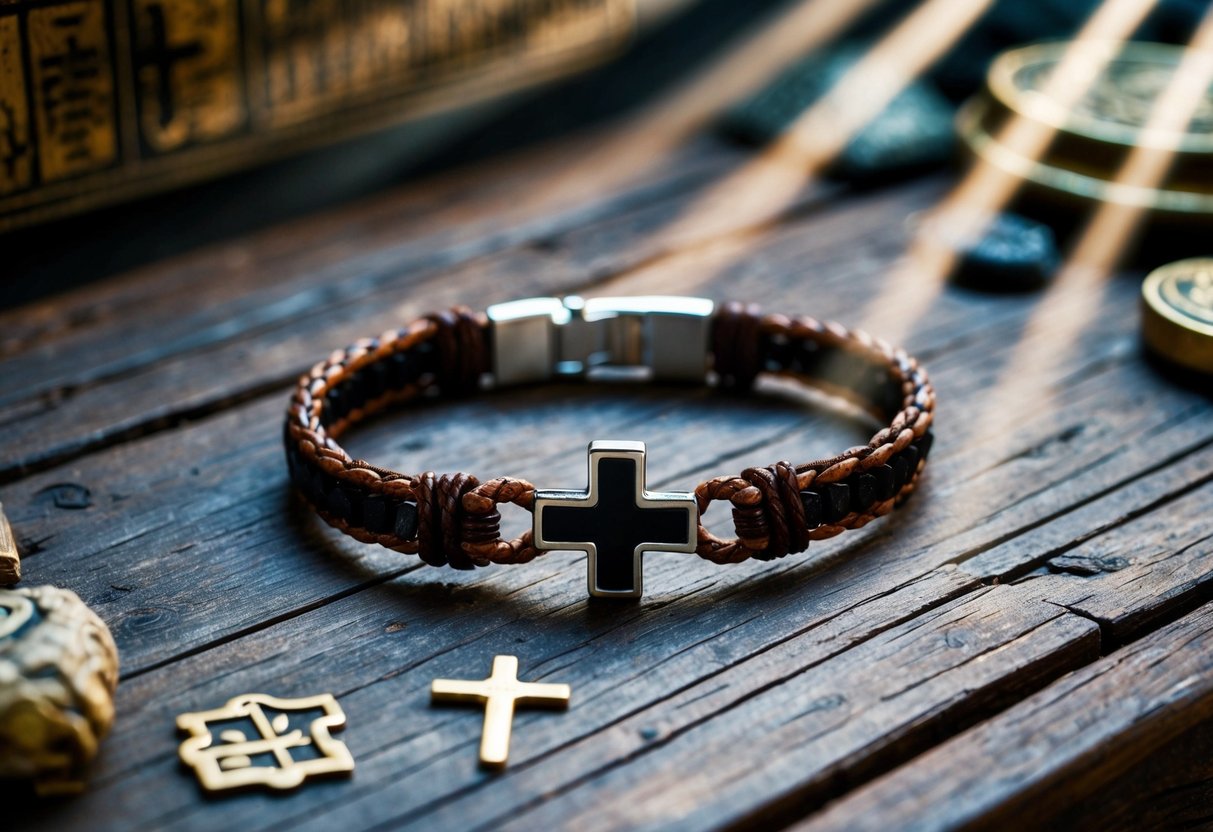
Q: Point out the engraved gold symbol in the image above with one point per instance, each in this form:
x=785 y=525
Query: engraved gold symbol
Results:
x=260 y=740
x=187 y=65
x=500 y=694
x=73 y=88
x=16 y=156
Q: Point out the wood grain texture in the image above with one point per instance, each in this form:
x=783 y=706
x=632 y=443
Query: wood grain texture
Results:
x=1059 y=527
x=1056 y=759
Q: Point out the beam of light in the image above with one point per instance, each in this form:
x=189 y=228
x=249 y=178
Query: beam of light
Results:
x=763 y=188
x=642 y=142
x=989 y=188
x=1114 y=227
x=1077 y=296
x=912 y=287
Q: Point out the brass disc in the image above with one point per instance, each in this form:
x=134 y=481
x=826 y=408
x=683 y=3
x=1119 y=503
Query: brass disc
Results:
x=1177 y=312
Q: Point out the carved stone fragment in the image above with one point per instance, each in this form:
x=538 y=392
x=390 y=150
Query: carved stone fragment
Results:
x=58 y=673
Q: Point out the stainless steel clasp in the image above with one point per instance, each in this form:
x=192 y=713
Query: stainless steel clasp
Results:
x=653 y=337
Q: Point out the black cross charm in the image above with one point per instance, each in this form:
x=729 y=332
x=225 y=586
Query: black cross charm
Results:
x=615 y=521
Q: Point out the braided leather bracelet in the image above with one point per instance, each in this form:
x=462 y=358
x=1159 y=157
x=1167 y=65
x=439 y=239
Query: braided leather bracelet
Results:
x=453 y=519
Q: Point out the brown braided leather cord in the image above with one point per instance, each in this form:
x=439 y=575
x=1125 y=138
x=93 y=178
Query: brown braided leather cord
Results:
x=768 y=518
x=458 y=518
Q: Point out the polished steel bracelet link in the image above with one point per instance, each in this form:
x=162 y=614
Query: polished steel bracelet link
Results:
x=642 y=338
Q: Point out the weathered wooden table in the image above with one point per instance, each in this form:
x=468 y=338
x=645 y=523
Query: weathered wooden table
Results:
x=1028 y=641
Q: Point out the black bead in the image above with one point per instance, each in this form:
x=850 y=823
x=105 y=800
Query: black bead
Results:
x=836 y=499
x=924 y=444
x=338 y=503
x=335 y=407
x=811 y=501
x=357 y=500
x=1014 y=254
x=425 y=359
x=883 y=476
x=406 y=521
x=353 y=394
x=863 y=492
x=401 y=370
x=378 y=514
x=777 y=353
x=807 y=359
x=901 y=472
x=375 y=380
x=316 y=484
x=910 y=455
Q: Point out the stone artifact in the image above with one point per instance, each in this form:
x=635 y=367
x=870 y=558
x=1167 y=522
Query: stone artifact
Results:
x=912 y=133
x=260 y=740
x=58 y=672
x=1012 y=254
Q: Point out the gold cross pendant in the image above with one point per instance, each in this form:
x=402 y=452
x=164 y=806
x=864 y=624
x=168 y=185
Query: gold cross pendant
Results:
x=499 y=694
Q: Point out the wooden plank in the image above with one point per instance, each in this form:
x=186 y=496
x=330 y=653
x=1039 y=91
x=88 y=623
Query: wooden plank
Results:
x=214 y=582
x=257 y=494
x=1049 y=760
x=302 y=676
x=308 y=264
x=1141 y=573
x=1172 y=788
x=394 y=640
x=142 y=491
x=786 y=748
x=411 y=756
x=1054 y=542
x=260 y=341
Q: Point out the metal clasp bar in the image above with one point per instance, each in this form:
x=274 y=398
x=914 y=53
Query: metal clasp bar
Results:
x=655 y=337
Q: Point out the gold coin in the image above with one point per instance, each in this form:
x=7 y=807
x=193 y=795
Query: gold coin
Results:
x=1118 y=102
x=1177 y=312
x=1082 y=183
x=1092 y=134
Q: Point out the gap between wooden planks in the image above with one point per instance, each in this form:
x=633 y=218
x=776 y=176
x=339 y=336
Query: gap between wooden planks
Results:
x=1073 y=755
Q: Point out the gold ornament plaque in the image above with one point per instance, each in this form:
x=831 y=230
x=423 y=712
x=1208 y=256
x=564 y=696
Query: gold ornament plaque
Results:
x=58 y=673
x=261 y=740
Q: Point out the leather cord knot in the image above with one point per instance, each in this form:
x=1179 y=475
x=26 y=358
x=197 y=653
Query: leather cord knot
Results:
x=771 y=522
x=440 y=518
x=736 y=349
x=463 y=355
